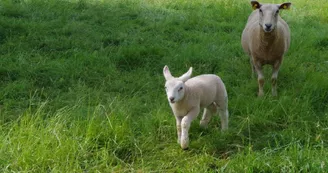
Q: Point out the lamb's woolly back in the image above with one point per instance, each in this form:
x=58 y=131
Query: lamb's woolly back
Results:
x=209 y=87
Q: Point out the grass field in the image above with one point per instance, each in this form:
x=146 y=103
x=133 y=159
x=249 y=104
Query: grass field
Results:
x=82 y=90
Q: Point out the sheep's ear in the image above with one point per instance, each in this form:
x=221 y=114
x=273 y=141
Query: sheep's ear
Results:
x=285 y=6
x=186 y=76
x=255 y=5
x=167 y=73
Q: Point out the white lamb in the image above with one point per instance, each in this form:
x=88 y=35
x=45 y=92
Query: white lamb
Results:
x=188 y=96
x=266 y=38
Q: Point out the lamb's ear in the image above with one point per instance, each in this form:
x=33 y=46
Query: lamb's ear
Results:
x=255 y=5
x=186 y=76
x=167 y=73
x=285 y=6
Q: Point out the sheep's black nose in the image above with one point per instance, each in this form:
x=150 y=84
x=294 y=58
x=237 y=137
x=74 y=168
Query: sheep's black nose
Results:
x=268 y=26
x=171 y=99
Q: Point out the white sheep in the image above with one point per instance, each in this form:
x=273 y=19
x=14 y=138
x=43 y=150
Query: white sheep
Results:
x=187 y=96
x=266 y=38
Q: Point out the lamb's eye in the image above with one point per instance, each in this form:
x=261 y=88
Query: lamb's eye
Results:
x=260 y=10
x=180 y=89
x=277 y=11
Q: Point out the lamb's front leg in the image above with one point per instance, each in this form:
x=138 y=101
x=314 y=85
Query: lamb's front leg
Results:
x=185 y=125
x=178 y=120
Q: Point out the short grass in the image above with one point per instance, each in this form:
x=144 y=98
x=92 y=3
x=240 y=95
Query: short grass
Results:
x=81 y=87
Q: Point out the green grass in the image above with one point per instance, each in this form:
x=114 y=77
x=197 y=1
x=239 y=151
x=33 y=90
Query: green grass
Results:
x=82 y=90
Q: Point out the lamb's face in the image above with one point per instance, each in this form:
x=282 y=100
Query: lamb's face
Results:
x=268 y=17
x=175 y=90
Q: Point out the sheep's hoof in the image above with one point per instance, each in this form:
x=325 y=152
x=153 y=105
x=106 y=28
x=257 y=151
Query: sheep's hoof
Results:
x=224 y=129
x=260 y=94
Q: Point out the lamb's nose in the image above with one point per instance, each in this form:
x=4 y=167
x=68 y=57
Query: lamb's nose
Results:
x=171 y=99
x=268 y=25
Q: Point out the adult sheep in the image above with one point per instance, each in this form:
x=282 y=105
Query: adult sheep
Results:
x=266 y=38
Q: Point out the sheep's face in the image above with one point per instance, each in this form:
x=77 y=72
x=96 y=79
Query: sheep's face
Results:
x=175 y=90
x=268 y=17
x=175 y=87
x=268 y=14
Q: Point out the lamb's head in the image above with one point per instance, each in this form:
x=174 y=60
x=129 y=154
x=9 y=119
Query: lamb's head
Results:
x=175 y=87
x=269 y=14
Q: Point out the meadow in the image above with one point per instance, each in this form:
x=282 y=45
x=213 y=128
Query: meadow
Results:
x=82 y=88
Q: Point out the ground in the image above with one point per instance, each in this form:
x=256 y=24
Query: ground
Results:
x=82 y=89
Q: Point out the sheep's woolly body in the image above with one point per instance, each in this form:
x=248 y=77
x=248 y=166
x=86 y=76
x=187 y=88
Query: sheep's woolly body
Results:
x=266 y=38
x=266 y=47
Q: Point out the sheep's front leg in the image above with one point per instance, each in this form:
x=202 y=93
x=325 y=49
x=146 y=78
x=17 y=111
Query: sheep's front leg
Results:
x=178 y=121
x=274 y=77
x=185 y=125
x=260 y=78
x=252 y=66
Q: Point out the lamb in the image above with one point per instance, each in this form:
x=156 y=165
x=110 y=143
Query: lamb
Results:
x=188 y=95
x=266 y=38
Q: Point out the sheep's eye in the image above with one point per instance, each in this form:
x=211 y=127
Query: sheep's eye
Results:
x=260 y=10
x=277 y=11
x=180 y=89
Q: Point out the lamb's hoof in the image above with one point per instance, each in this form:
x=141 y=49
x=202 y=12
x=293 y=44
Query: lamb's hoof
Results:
x=184 y=145
x=203 y=124
x=185 y=149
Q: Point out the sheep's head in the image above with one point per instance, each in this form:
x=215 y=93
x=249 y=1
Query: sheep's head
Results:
x=175 y=87
x=269 y=14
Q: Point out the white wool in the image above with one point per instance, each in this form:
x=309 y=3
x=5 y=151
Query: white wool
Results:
x=266 y=38
x=187 y=96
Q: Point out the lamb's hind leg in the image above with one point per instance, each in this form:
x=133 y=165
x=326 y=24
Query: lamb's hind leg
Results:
x=208 y=112
x=224 y=114
x=274 y=77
